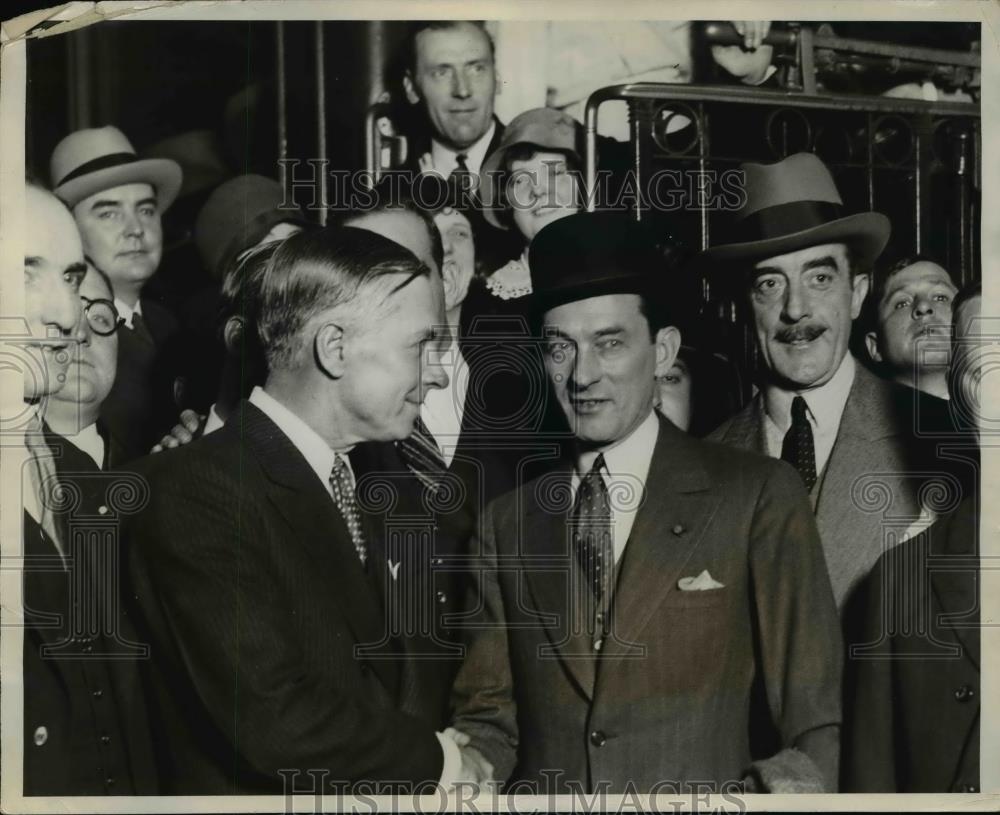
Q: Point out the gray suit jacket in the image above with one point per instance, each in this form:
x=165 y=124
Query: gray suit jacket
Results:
x=868 y=493
x=690 y=686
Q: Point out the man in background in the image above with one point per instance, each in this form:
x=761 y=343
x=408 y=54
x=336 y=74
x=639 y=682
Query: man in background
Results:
x=911 y=309
x=117 y=200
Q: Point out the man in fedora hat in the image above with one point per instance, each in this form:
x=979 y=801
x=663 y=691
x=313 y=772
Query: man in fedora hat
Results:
x=117 y=200
x=655 y=614
x=802 y=264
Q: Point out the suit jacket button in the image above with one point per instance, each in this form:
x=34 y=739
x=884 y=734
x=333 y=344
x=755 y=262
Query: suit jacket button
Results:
x=964 y=693
x=678 y=529
x=598 y=739
x=102 y=510
x=105 y=739
x=41 y=735
x=97 y=694
x=110 y=780
x=442 y=597
x=966 y=788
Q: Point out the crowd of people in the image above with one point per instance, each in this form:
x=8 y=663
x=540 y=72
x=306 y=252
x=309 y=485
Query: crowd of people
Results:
x=466 y=505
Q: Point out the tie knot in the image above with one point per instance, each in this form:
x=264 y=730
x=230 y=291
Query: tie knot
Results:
x=799 y=410
x=461 y=161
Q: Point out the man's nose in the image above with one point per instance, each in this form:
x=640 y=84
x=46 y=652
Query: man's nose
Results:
x=460 y=86
x=435 y=375
x=64 y=312
x=922 y=307
x=586 y=369
x=133 y=226
x=796 y=305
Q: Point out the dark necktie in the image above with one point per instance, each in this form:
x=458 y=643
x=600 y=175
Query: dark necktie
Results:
x=141 y=329
x=461 y=180
x=420 y=452
x=343 y=496
x=797 y=448
x=594 y=530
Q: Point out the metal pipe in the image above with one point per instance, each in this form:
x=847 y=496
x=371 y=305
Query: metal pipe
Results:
x=282 y=90
x=590 y=149
x=321 y=118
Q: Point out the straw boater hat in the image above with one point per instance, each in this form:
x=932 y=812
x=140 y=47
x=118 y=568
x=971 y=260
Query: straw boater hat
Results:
x=89 y=161
x=544 y=128
x=794 y=204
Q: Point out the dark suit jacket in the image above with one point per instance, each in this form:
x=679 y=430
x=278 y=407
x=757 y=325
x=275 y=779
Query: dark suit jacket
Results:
x=139 y=408
x=913 y=686
x=86 y=730
x=868 y=493
x=692 y=686
x=424 y=544
x=254 y=600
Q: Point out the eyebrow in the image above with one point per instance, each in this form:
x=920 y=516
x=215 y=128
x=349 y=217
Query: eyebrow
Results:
x=76 y=268
x=823 y=262
x=110 y=202
x=614 y=329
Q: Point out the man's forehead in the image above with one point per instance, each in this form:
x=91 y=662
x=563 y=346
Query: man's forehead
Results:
x=594 y=313
x=917 y=274
x=800 y=257
x=50 y=230
x=122 y=194
x=461 y=42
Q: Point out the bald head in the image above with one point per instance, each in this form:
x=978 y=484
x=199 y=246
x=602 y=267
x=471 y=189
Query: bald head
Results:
x=53 y=270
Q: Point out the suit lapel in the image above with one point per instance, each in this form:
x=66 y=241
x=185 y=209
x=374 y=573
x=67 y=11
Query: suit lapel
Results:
x=679 y=504
x=553 y=575
x=302 y=500
x=746 y=429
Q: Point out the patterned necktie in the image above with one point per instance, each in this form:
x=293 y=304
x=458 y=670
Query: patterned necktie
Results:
x=461 y=180
x=420 y=452
x=797 y=448
x=343 y=496
x=44 y=481
x=594 y=530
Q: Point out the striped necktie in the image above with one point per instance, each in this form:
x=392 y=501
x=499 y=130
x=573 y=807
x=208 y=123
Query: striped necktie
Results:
x=594 y=530
x=420 y=452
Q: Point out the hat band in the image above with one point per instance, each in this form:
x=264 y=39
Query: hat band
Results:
x=786 y=219
x=100 y=163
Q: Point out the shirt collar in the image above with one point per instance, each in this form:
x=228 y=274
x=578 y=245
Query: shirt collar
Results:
x=320 y=456
x=444 y=158
x=629 y=457
x=826 y=403
x=127 y=312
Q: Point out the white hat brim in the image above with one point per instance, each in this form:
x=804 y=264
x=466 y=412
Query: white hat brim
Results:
x=164 y=174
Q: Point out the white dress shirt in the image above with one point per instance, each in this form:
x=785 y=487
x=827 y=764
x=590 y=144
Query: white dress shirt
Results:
x=127 y=312
x=321 y=459
x=443 y=408
x=824 y=406
x=90 y=442
x=213 y=422
x=626 y=468
x=443 y=160
x=320 y=456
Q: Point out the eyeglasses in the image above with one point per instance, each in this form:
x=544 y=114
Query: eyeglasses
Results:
x=102 y=316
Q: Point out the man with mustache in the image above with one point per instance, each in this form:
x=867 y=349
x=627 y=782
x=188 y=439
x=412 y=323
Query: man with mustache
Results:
x=654 y=614
x=802 y=264
x=911 y=305
x=117 y=200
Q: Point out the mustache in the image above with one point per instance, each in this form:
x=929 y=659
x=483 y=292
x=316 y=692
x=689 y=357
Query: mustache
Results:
x=796 y=333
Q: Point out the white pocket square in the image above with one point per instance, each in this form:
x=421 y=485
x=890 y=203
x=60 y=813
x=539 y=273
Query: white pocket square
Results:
x=702 y=582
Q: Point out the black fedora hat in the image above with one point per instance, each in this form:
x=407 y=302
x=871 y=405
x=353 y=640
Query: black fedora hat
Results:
x=589 y=254
x=794 y=204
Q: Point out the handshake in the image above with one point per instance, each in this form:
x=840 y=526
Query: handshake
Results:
x=474 y=769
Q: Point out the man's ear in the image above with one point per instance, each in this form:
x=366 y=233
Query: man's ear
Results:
x=497 y=83
x=860 y=291
x=449 y=276
x=411 y=89
x=668 y=345
x=328 y=349
x=232 y=334
x=871 y=343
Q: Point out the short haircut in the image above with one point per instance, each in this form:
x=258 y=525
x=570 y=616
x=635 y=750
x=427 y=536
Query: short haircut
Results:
x=409 y=56
x=386 y=201
x=314 y=271
x=882 y=276
x=241 y=283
